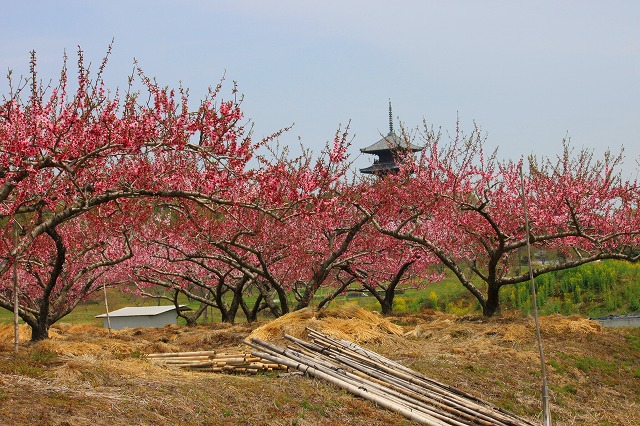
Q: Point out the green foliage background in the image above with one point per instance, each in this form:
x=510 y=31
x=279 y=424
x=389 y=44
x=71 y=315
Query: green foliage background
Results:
x=596 y=289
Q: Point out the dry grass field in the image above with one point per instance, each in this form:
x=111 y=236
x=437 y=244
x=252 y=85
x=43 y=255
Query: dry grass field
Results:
x=84 y=376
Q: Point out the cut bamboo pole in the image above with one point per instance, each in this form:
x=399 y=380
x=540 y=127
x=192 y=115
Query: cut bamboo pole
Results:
x=377 y=391
x=546 y=408
x=349 y=365
x=381 y=360
x=215 y=361
x=363 y=393
x=410 y=393
x=180 y=354
x=180 y=358
x=357 y=370
x=382 y=389
x=451 y=395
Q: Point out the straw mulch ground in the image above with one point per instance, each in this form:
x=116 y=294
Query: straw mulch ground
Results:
x=84 y=376
x=86 y=339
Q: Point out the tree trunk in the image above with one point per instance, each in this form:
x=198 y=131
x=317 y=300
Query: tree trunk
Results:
x=252 y=313
x=228 y=315
x=307 y=295
x=235 y=305
x=39 y=331
x=492 y=304
x=192 y=320
x=386 y=306
x=389 y=296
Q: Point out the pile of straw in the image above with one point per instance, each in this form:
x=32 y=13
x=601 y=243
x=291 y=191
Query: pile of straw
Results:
x=552 y=325
x=348 y=322
x=560 y=325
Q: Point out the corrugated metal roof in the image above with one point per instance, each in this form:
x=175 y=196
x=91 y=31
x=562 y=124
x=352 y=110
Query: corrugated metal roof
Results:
x=137 y=311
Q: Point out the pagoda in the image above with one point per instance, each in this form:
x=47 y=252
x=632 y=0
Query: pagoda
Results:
x=387 y=149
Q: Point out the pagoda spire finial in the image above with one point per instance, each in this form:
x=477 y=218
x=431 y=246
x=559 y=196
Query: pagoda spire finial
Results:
x=390 y=119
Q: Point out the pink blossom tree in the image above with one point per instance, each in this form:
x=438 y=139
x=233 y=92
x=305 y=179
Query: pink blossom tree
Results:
x=63 y=155
x=180 y=256
x=465 y=208
x=66 y=264
x=293 y=232
x=383 y=265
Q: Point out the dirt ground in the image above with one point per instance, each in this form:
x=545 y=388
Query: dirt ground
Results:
x=85 y=376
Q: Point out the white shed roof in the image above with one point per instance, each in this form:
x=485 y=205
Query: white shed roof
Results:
x=137 y=311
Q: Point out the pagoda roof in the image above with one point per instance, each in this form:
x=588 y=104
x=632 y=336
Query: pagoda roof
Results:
x=380 y=168
x=390 y=142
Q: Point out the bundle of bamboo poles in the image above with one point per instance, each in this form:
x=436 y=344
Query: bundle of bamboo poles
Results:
x=215 y=362
x=383 y=381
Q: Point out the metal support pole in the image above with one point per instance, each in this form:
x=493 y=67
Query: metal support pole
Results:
x=106 y=307
x=546 y=411
x=16 y=328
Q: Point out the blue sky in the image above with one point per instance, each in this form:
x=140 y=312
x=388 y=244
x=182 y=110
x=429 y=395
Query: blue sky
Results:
x=528 y=73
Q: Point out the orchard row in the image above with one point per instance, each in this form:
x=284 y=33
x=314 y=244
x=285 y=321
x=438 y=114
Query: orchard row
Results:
x=144 y=189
